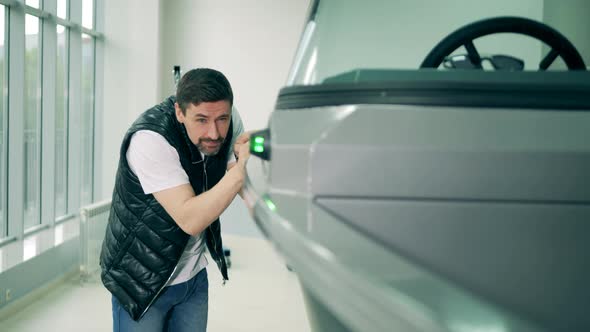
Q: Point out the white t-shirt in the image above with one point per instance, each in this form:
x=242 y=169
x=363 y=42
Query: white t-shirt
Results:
x=157 y=166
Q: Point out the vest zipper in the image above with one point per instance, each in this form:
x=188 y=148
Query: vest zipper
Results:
x=205 y=188
x=158 y=293
x=170 y=277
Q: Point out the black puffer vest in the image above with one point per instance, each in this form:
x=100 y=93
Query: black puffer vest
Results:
x=143 y=244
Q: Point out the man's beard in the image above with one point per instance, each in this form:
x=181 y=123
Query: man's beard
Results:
x=208 y=151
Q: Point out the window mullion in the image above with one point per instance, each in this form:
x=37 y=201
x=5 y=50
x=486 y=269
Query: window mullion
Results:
x=98 y=103
x=75 y=103
x=49 y=58
x=16 y=105
x=11 y=3
x=36 y=12
x=92 y=33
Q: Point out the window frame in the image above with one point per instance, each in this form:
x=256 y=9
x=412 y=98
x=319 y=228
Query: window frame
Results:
x=67 y=31
x=4 y=231
x=15 y=36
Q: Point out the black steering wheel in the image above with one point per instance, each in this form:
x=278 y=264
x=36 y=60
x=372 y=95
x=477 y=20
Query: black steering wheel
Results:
x=560 y=46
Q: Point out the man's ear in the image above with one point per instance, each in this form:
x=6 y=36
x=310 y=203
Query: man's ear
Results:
x=179 y=114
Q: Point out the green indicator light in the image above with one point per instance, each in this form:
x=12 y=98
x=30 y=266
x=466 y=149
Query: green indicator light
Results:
x=260 y=144
x=270 y=204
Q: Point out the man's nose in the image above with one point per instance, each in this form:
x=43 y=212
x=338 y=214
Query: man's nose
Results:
x=213 y=132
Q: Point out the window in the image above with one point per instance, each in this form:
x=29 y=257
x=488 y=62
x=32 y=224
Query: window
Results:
x=32 y=114
x=87 y=13
x=33 y=3
x=47 y=112
x=62 y=9
x=61 y=122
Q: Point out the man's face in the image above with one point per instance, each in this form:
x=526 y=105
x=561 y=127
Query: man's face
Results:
x=206 y=124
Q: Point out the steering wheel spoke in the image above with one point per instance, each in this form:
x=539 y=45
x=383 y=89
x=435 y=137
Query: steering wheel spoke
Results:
x=473 y=54
x=548 y=59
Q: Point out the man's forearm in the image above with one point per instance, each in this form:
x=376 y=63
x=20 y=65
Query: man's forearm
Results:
x=200 y=211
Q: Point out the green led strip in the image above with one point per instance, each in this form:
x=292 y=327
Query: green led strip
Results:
x=270 y=204
x=258 y=145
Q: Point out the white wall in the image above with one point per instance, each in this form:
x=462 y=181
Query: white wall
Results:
x=131 y=61
x=251 y=41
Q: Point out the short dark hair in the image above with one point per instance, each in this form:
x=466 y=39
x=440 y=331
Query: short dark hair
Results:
x=203 y=85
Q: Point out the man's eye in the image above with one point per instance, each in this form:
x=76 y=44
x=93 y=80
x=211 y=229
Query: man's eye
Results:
x=202 y=120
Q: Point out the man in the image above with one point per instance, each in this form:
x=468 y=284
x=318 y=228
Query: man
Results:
x=176 y=175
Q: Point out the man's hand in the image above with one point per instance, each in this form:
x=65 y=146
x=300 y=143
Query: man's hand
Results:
x=242 y=140
x=243 y=152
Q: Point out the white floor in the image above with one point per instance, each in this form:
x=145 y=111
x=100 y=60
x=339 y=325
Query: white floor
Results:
x=262 y=295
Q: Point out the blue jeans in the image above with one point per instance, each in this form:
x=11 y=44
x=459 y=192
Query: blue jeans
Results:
x=179 y=308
